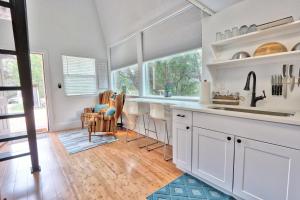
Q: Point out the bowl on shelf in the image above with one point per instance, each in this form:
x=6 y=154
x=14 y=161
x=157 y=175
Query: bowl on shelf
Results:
x=240 y=55
x=270 y=48
x=296 y=47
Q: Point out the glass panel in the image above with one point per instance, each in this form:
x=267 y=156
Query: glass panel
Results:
x=9 y=74
x=126 y=80
x=6 y=31
x=176 y=75
x=11 y=102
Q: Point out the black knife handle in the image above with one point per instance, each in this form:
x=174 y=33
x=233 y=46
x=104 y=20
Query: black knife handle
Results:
x=273 y=89
x=280 y=90
x=277 y=90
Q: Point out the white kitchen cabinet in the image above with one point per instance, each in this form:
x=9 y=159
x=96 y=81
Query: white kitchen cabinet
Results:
x=182 y=146
x=213 y=154
x=266 y=172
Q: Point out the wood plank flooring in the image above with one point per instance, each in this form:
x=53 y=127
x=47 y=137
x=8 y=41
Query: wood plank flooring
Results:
x=114 y=171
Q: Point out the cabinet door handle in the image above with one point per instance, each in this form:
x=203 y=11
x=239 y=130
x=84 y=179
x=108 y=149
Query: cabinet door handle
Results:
x=228 y=138
x=239 y=141
x=180 y=115
x=187 y=127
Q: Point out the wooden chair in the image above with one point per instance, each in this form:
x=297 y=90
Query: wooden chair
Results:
x=88 y=113
x=103 y=122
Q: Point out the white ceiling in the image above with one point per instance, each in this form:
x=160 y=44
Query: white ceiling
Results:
x=218 y=5
x=120 y=18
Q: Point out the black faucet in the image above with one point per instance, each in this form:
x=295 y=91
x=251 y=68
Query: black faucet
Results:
x=254 y=98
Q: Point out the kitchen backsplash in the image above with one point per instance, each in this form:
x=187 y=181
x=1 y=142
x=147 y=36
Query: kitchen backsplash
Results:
x=234 y=79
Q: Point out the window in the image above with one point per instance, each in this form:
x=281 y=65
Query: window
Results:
x=126 y=79
x=79 y=76
x=177 y=75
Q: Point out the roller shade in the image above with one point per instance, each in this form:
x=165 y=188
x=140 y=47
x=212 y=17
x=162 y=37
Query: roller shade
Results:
x=177 y=34
x=79 y=76
x=124 y=54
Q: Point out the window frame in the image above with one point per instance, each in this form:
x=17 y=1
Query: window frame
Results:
x=145 y=79
x=141 y=63
x=112 y=79
x=95 y=75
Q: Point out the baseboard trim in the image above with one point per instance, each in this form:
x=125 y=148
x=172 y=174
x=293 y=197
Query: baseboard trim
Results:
x=66 y=125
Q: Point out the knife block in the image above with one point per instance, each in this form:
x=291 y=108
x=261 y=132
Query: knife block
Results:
x=226 y=100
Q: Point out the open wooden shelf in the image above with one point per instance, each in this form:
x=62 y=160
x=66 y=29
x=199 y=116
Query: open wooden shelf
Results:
x=258 y=35
x=282 y=58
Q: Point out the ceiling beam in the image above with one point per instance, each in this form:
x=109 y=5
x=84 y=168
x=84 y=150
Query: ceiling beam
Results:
x=203 y=7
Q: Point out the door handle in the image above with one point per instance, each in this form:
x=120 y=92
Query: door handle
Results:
x=239 y=141
x=187 y=127
x=228 y=138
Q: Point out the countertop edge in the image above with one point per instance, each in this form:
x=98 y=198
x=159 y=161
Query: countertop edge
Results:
x=295 y=121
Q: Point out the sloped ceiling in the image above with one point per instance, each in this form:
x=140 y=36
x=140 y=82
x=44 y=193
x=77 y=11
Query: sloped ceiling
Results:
x=120 y=18
x=218 y=5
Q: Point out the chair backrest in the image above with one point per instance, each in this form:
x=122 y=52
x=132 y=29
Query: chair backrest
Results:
x=104 y=98
x=157 y=111
x=119 y=104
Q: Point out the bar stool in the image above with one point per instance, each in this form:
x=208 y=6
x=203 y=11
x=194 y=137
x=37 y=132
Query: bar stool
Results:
x=158 y=112
x=135 y=110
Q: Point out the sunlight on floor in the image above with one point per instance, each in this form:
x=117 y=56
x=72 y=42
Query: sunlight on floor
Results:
x=41 y=122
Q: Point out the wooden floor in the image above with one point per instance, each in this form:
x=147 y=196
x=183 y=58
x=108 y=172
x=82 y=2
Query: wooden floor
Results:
x=114 y=171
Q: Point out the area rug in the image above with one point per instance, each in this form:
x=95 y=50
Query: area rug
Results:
x=187 y=187
x=78 y=140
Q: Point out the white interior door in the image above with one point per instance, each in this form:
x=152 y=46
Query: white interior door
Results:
x=266 y=172
x=213 y=154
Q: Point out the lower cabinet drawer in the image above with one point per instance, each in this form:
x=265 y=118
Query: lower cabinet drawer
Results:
x=182 y=116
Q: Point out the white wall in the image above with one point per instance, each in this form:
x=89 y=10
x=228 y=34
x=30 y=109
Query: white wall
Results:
x=69 y=27
x=250 y=12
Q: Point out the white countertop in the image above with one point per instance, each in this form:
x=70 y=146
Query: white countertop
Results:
x=164 y=101
x=197 y=107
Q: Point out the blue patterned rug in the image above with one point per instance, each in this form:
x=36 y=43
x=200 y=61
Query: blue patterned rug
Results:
x=187 y=187
x=78 y=140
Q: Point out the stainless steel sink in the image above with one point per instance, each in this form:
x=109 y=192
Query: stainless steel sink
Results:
x=260 y=112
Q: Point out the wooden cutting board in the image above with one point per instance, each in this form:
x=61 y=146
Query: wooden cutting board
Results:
x=270 y=48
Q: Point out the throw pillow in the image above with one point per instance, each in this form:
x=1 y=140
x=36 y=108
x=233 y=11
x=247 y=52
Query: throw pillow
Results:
x=99 y=107
x=110 y=112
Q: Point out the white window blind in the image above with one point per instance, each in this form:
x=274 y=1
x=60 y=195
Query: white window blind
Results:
x=124 y=54
x=179 y=33
x=79 y=76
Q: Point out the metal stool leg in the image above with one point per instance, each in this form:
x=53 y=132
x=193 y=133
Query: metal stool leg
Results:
x=145 y=132
x=166 y=144
x=137 y=138
x=157 y=139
